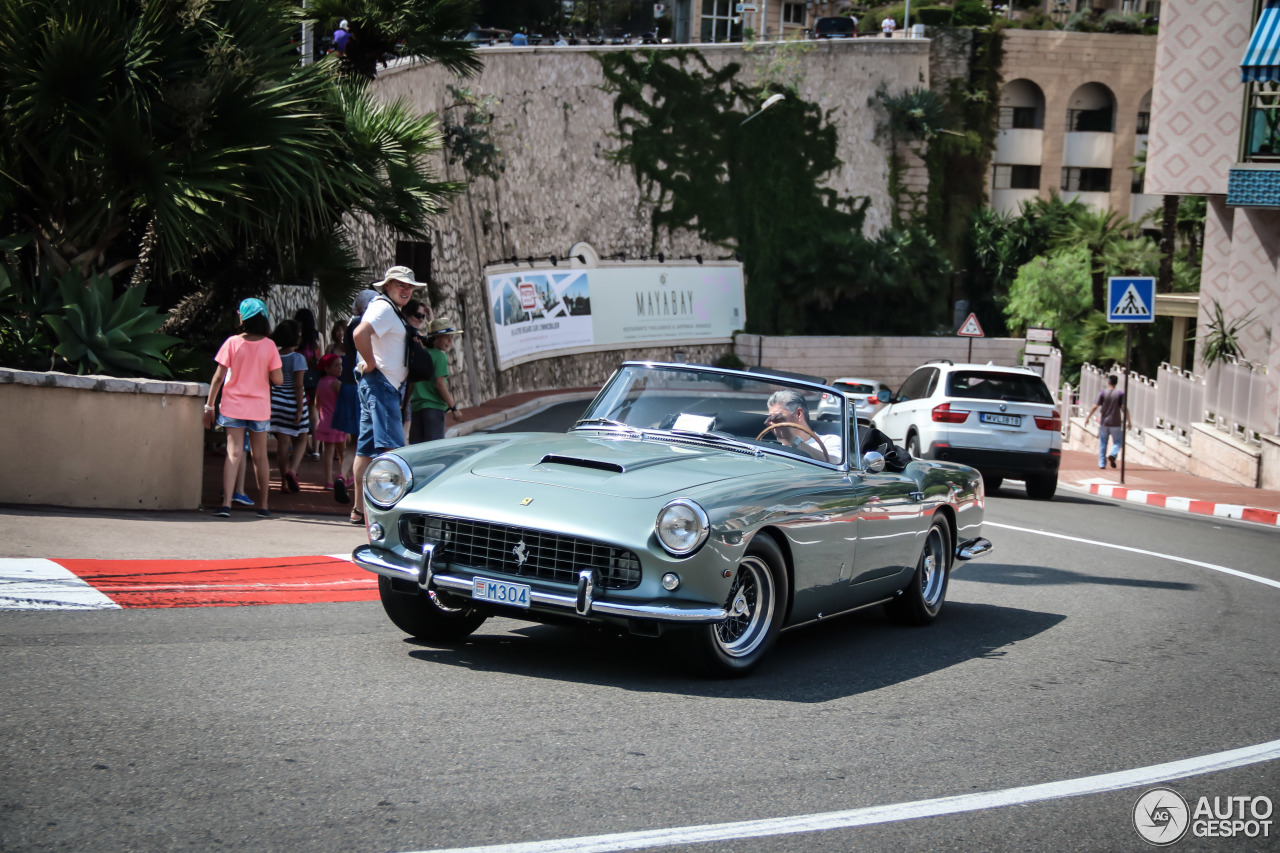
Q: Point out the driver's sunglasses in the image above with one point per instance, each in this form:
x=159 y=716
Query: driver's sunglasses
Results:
x=420 y=315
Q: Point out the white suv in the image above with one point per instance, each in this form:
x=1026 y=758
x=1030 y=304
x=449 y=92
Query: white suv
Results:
x=1000 y=420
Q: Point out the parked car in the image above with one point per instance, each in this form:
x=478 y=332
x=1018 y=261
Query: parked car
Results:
x=835 y=28
x=487 y=35
x=1001 y=420
x=670 y=510
x=863 y=394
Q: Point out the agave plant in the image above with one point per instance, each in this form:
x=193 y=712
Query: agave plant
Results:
x=97 y=333
x=1222 y=340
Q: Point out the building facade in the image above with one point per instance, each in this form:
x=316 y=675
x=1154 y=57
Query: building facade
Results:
x=1216 y=134
x=1074 y=111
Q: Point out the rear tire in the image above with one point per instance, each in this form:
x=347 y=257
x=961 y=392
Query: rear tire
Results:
x=921 y=601
x=913 y=446
x=992 y=484
x=1041 y=487
x=757 y=604
x=424 y=617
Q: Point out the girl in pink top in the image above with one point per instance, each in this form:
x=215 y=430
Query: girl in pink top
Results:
x=334 y=440
x=248 y=365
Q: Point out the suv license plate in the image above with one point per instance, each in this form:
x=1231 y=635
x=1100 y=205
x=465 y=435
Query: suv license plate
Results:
x=500 y=592
x=1002 y=420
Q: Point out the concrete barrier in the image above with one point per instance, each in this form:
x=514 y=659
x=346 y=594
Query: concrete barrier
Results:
x=98 y=441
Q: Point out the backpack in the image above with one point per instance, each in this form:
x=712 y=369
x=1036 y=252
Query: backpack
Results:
x=416 y=358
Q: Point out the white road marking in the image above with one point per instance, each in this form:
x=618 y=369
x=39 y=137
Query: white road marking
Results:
x=35 y=584
x=1118 y=781
x=1198 y=563
x=826 y=821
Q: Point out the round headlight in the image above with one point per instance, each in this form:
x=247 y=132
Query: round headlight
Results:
x=682 y=527
x=387 y=479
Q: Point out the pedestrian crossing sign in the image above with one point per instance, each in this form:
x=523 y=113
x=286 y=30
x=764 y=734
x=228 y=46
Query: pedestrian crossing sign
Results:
x=1131 y=300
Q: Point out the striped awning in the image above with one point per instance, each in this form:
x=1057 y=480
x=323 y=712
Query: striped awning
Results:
x=1262 y=56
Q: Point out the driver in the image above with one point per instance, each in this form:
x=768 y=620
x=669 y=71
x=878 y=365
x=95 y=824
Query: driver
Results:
x=788 y=406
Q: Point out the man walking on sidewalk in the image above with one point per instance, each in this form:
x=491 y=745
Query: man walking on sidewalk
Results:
x=1111 y=425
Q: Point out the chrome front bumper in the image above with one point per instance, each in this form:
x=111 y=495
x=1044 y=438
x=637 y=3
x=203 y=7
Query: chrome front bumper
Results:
x=583 y=604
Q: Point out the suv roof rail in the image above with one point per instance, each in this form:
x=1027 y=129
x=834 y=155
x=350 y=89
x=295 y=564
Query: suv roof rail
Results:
x=941 y=361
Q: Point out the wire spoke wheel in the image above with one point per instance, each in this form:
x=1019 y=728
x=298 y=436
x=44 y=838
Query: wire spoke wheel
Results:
x=932 y=569
x=751 y=604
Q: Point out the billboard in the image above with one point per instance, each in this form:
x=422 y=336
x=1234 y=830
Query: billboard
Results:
x=544 y=312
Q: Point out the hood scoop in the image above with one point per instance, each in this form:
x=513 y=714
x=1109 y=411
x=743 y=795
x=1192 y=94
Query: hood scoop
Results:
x=579 y=462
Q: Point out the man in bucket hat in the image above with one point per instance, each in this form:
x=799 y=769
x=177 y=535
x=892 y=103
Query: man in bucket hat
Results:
x=380 y=344
x=431 y=399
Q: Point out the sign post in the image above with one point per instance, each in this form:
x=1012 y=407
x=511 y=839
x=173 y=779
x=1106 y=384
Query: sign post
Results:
x=971 y=329
x=1129 y=300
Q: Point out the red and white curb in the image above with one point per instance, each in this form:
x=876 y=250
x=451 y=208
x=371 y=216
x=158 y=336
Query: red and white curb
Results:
x=36 y=584
x=1218 y=510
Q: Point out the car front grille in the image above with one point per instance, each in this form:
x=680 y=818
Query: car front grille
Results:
x=498 y=548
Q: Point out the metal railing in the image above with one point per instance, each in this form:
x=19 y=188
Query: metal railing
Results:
x=1232 y=397
x=1236 y=399
x=1142 y=399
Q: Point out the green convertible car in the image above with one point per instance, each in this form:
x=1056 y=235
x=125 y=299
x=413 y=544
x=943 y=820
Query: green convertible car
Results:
x=697 y=504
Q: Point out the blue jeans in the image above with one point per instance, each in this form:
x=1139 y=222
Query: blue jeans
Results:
x=381 y=428
x=1116 y=434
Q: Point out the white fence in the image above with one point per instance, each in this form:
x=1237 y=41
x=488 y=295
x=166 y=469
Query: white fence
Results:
x=1232 y=397
x=1236 y=399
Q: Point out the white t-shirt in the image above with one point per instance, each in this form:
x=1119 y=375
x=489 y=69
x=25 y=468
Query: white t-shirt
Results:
x=887 y=25
x=831 y=443
x=387 y=341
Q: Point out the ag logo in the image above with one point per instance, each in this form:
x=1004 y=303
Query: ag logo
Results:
x=1161 y=816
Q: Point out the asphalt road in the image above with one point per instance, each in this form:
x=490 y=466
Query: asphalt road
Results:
x=321 y=727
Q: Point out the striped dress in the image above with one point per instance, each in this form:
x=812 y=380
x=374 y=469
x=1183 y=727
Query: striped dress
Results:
x=284 y=399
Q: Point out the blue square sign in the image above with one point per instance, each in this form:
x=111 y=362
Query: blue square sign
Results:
x=1131 y=300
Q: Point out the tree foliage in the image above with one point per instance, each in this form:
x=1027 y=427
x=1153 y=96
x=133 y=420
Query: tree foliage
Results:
x=178 y=143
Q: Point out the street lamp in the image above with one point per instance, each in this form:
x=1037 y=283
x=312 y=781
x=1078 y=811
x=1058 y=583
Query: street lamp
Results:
x=769 y=101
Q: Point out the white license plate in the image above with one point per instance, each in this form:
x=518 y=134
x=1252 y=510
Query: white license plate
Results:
x=500 y=592
x=1002 y=420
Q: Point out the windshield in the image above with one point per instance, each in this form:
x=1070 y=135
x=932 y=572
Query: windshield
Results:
x=1011 y=387
x=693 y=402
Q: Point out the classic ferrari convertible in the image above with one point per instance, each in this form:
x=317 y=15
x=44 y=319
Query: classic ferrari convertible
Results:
x=693 y=503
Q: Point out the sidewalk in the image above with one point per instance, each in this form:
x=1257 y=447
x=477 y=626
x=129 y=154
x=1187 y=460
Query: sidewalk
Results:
x=315 y=500
x=1171 y=490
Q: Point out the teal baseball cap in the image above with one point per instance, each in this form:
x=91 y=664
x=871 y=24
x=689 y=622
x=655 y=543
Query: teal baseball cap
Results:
x=252 y=307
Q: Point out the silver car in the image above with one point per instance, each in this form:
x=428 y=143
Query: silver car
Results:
x=862 y=394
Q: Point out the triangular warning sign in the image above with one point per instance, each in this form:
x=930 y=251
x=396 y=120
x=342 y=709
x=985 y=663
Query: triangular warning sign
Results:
x=1131 y=304
x=971 y=328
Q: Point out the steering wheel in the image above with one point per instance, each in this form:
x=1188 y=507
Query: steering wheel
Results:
x=826 y=457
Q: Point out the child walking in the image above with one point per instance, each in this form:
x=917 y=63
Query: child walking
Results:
x=248 y=365
x=334 y=441
x=289 y=419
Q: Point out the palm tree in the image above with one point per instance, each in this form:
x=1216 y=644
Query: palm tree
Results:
x=1096 y=230
x=185 y=140
x=385 y=29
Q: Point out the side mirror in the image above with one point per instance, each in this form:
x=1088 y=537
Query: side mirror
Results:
x=873 y=461
x=884 y=396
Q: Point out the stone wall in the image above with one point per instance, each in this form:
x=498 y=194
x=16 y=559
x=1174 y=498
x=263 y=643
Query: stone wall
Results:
x=97 y=441
x=889 y=360
x=554 y=123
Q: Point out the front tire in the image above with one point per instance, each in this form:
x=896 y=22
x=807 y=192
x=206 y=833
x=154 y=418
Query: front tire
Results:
x=424 y=617
x=921 y=601
x=1041 y=487
x=913 y=446
x=757 y=605
x=992 y=484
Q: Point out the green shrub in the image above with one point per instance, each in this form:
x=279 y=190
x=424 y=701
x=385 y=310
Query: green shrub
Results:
x=971 y=13
x=932 y=16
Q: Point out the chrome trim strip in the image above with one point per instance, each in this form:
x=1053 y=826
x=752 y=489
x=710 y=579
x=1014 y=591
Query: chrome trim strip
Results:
x=823 y=617
x=971 y=548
